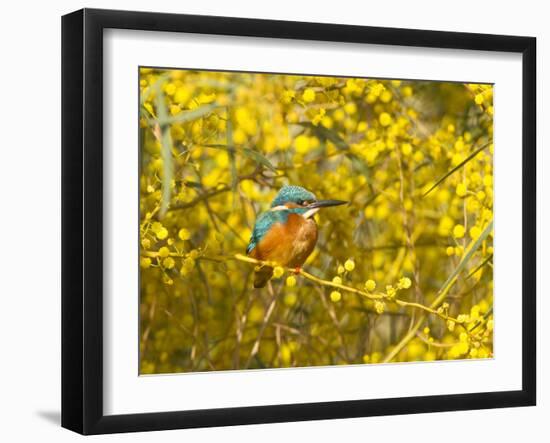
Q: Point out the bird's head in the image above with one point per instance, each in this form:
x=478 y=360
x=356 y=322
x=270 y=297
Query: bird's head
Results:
x=301 y=201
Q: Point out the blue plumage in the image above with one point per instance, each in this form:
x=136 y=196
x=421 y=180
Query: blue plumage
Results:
x=294 y=194
x=265 y=221
x=263 y=225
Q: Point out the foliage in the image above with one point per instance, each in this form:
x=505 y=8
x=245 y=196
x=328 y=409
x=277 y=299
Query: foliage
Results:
x=403 y=273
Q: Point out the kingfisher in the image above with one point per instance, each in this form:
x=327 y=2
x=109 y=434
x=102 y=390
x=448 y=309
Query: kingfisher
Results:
x=287 y=233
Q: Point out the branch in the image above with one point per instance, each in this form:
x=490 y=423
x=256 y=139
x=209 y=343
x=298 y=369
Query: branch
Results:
x=379 y=296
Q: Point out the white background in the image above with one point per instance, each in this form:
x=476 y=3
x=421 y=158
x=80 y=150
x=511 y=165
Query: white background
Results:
x=30 y=222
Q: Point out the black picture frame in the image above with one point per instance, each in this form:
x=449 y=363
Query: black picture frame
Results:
x=82 y=219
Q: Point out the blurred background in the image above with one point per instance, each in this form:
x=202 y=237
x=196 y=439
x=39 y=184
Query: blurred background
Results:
x=414 y=158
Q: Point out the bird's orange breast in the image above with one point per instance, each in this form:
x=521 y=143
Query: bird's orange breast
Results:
x=288 y=244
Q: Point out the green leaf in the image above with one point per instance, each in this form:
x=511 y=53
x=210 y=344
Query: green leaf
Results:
x=166 y=152
x=483 y=263
x=231 y=153
x=326 y=134
x=456 y=168
x=258 y=158
x=451 y=280
x=188 y=116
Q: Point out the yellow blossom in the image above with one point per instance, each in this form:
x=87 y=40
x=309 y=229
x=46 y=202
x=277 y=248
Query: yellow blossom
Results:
x=349 y=265
x=309 y=95
x=168 y=263
x=461 y=190
x=184 y=234
x=475 y=232
x=385 y=119
x=459 y=231
x=291 y=281
x=370 y=285
x=407 y=149
x=278 y=271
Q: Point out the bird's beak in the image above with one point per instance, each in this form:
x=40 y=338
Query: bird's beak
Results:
x=326 y=203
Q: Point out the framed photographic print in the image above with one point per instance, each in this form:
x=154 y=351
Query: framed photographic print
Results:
x=270 y=221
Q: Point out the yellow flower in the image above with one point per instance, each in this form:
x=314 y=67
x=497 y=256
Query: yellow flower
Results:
x=278 y=272
x=335 y=296
x=459 y=231
x=184 y=234
x=369 y=211
x=290 y=299
x=385 y=119
x=288 y=95
x=168 y=263
x=302 y=144
x=337 y=280
x=418 y=156
x=309 y=95
x=350 y=107
x=164 y=252
x=341 y=269
x=285 y=354
x=379 y=306
x=405 y=282
x=162 y=233
x=475 y=232
x=145 y=262
x=349 y=265
x=450 y=251
x=239 y=136
x=386 y=96
x=407 y=91
x=370 y=285
x=407 y=149
x=319 y=117
x=461 y=190
x=291 y=281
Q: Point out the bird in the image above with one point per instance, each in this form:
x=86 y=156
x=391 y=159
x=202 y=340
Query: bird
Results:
x=287 y=233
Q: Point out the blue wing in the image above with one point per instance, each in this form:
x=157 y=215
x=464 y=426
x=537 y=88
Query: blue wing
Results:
x=264 y=222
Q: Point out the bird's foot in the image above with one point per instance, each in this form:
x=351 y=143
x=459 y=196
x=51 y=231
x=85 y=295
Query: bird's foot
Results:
x=297 y=269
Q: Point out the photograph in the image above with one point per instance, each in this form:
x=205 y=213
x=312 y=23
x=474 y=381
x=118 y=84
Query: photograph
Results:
x=293 y=220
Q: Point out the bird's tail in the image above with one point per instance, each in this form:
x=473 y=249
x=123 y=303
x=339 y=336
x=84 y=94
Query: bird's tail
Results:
x=262 y=274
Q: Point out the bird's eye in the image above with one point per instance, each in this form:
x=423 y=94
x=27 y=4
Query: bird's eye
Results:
x=300 y=202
